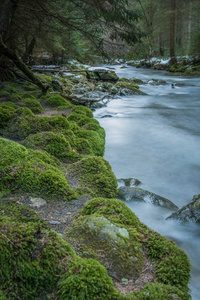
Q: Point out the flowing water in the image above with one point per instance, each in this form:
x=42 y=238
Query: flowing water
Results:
x=156 y=139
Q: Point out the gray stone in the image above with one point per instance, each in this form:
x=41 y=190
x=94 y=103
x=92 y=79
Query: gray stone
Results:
x=136 y=194
x=37 y=202
x=54 y=222
x=128 y=182
x=107 y=230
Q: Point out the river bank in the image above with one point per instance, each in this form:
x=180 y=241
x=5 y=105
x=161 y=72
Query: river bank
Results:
x=51 y=151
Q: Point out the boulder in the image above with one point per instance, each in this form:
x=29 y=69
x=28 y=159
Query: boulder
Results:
x=189 y=212
x=102 y=74
x=136 y=194
x=128 y=182
x=117 y=249
x=157 y=82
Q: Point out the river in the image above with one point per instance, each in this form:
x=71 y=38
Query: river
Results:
x=156 y=139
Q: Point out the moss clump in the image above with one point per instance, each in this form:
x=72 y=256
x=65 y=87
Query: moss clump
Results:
x=54 y=143
x=83 y=110
x=56 y=101
x=158 y=291
x=85 y=279
x=114 y=210
x=79 y=145
x=32 y=256
x=96 y=143
x=24 y=122
x=22 y=170
x=117 y=248
x=95 y=173
x=172 y=264
x=33 y=105
x=81 y=119
x=5 y=115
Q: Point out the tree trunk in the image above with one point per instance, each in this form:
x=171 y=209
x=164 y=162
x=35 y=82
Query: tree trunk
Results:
x=29 y=50
x=20 y=65
x=172 y=32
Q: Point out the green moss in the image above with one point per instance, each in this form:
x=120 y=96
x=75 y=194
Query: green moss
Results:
x=114 y=210
x=83 y=110
x=24 y=122
x=22 y=170
x=85 y=279
x=82 y=119
x=65 y=107
x=5 y=115
x=56 y=101
x=172 y=264
x=33 y=105
x=96 y=173
x=9 y=105
x=96 y=143
x=54 y=143
x=31 y=256
x=81 y=145
x=158 y=291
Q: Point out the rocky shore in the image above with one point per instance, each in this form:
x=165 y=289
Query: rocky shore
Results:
x=64 y=235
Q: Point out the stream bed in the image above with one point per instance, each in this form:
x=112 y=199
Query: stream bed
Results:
x=156 y=139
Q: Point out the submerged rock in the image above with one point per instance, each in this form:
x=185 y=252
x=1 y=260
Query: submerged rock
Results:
x=136 y=194
x=189 y=212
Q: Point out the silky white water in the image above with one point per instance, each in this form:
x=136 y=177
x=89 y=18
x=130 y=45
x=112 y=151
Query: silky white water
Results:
x=156 y=139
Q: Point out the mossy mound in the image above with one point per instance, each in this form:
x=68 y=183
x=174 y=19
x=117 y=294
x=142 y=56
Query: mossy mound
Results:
x=24 y=122
x=56 y=101
x=5 y=115
x=158 y=291
x=54 y=143
x=85 y=279
x=117 y=248
x=33 y=104
x=79 y=145
x=24 y=170
x=172 y=267
x=96 y=142
x=83 y=110
x=172 y=264
x=32 y=256
x=96 y=174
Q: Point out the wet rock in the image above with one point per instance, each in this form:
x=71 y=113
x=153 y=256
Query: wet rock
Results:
x=128 y=182
x=37 y=202
x=157 y=82
x=102 y=74
x=136 y=194
x=189 y=212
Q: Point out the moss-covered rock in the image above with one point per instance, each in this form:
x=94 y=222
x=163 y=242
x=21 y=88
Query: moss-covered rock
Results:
x=116 y=247
x=32 y=256
x=33 y=105
x=23 y=170
x=24 y=122
x=95 y=173
x=56 y=101
x=127 y=88
x=85 y=279
x=172 y=267
x=5 y=115
x=54 y=143
x=83 y=110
